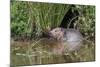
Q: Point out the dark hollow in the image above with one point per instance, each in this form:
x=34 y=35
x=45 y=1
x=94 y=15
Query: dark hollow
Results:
x=71 y=13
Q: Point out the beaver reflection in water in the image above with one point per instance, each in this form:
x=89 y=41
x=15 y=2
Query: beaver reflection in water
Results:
x=71 y=38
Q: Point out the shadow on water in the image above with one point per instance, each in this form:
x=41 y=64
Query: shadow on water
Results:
x=41 y=52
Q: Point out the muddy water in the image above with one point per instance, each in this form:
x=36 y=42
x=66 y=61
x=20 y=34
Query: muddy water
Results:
x=48 y=51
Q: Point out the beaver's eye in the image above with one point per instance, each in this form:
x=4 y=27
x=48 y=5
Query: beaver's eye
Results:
x=55 y=30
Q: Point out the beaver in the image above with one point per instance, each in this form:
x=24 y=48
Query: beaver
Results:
x=71 y=38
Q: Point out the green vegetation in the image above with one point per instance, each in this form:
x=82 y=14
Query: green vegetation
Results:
x=30 y=20
x=33 y=18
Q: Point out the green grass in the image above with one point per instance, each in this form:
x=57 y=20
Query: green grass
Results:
x=35 y=17
x=32 y=19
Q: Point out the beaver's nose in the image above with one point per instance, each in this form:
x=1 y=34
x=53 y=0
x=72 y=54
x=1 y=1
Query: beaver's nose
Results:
x=50 y=34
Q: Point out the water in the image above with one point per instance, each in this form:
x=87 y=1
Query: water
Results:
x=41 y=52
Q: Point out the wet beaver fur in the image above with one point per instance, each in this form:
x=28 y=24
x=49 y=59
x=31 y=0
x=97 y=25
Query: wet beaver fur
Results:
x=71 y=38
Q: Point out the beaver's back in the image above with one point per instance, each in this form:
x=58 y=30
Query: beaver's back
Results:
x=72 y=35
x=72 y=38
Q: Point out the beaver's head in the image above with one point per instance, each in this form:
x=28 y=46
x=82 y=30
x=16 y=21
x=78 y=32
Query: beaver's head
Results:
x=56 y=33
